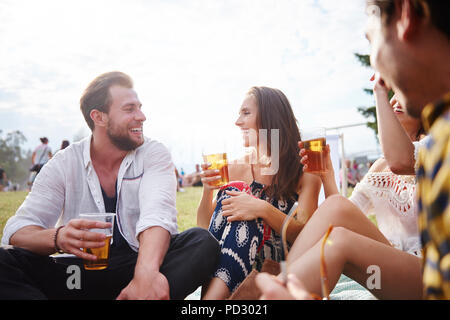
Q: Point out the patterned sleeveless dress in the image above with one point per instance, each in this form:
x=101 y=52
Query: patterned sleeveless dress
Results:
x=245 y=244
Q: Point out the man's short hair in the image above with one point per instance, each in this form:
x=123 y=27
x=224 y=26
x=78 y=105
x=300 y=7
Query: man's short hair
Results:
x=439 y=11
x=97 y=95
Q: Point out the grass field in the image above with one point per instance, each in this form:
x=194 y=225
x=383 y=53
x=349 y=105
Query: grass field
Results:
x=187 y=203
x=9 y=203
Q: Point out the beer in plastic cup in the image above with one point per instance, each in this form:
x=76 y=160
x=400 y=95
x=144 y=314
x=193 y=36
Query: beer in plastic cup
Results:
x=102 y=253
x=218 y=161
x=314 y=141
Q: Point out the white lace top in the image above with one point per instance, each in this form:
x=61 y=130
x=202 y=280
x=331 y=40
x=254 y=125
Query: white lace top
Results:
x=391 y=198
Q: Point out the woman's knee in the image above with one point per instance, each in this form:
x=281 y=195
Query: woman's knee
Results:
x=340 y=239
x=337 y=201
x=338 y=209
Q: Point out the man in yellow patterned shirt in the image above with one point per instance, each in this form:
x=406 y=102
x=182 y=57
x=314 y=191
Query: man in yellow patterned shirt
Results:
x=410 y=48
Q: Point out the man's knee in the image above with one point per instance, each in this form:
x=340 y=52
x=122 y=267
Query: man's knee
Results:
x=210 y=243
x=202 y=253
x=204 y=241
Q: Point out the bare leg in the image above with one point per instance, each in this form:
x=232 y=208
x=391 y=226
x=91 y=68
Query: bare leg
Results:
x=216 y=290
x=340 y=212
x=351 y=253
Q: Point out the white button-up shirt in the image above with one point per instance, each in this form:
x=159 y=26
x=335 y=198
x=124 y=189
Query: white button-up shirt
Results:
x=68 y=186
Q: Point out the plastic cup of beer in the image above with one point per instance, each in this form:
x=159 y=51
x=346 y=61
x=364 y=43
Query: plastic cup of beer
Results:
x=314 y=141
x=102 y=253
x=218 y=161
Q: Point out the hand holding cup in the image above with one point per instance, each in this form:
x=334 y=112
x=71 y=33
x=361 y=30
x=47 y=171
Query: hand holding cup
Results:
x=88 y=238
x=210 y=177
x=76 y=235
x=313 y=144
x=215 y=170
x=327 y=168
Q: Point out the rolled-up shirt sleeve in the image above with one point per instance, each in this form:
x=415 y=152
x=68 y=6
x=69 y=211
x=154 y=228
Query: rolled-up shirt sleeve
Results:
x=157 y=192
x=43 y=205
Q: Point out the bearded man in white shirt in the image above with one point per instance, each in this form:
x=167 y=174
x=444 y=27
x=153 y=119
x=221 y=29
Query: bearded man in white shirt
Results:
x=116 y=169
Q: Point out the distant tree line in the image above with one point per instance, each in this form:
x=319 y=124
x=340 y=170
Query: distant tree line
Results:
x=13 y=159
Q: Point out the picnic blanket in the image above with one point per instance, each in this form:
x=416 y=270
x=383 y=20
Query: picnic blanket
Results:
x=348 y=289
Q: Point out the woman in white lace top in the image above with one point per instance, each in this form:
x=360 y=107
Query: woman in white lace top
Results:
x=388 y=189
x=356 y=247
x=391 y=199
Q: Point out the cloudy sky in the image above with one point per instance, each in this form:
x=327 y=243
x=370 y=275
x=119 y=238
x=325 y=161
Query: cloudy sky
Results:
x=192 y=62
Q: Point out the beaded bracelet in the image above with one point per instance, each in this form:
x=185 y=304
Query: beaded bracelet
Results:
x=58 y=249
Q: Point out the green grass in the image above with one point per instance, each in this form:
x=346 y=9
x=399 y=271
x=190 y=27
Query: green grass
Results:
x=9 y=203
x=187 y=203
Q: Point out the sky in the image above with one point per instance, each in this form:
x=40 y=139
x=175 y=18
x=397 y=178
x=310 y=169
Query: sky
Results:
x=191 y=61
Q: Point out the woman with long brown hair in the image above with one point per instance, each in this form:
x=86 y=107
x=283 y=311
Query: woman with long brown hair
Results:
x=247 y=215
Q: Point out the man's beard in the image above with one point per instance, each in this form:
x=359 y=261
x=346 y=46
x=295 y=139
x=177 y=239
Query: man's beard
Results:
x=121 y=141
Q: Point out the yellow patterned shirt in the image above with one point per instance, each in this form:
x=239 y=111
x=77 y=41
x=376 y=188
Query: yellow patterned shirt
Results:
x=433 y=193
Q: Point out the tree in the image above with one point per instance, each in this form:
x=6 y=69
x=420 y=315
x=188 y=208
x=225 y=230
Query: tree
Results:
x=13 y=159
x=369 y=112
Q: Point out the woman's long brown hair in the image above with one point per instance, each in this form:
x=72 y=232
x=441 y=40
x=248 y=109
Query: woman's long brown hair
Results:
x=275 y=112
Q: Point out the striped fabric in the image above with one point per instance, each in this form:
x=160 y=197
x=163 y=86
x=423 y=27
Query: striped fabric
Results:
x=433 y=192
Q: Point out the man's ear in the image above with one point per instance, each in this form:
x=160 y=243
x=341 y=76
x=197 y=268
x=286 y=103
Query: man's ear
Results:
x=100 y=118
x=409 y=21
